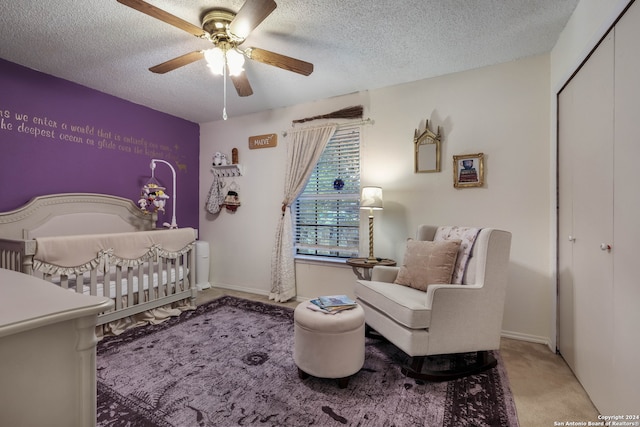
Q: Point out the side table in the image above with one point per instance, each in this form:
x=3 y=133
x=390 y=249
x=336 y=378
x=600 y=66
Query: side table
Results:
x=367 y=265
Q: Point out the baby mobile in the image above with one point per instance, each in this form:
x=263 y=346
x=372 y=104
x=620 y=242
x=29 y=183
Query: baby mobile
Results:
x=153 y=196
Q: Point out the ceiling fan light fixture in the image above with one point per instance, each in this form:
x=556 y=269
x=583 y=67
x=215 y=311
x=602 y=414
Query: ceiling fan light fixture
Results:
x=235 y=62
x=215 y=60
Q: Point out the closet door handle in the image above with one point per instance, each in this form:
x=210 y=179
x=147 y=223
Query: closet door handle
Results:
x=605 y=247
x=572 y=239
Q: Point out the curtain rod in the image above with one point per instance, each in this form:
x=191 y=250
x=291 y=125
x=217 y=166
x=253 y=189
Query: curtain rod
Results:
x=366 y=121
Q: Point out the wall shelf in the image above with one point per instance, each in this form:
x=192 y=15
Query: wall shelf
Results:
x=227 y=170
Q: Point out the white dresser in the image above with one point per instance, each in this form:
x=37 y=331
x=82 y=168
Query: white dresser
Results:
x=47 y=353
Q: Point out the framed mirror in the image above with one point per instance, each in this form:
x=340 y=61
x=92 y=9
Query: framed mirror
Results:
x=427 y=150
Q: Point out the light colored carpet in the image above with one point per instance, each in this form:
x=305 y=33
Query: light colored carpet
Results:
x=544 y=388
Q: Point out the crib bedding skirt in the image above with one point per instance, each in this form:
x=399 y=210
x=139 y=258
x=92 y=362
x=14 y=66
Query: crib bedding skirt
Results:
x=148 y=274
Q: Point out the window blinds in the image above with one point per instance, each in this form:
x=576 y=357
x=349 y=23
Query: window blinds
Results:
x=327 y=213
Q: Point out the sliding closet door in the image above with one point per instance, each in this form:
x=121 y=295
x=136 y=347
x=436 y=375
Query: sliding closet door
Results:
x=626 y=313
x=585 y=293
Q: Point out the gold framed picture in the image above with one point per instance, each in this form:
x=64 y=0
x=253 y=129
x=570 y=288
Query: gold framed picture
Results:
x=468 y=170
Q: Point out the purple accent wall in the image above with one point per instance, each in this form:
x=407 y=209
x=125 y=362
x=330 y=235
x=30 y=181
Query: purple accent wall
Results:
x=60 y=137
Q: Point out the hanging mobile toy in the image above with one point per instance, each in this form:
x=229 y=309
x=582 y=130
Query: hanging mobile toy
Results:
x=153 y=198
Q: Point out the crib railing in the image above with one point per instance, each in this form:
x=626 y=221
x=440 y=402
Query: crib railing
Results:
x=17 y=255
x=156 y=279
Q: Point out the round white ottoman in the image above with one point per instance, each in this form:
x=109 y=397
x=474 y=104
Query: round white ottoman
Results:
x=328 y=345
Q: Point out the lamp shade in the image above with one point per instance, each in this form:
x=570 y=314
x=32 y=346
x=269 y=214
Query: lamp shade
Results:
x=215 y=60
x=371 y=198
x=235 y=61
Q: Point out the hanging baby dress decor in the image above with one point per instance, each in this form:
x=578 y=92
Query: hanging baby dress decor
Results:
x=232 y=200
x=215 y=197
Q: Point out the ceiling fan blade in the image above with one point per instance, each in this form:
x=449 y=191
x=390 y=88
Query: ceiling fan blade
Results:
x=278 y=60
x=178 y=62
x=242 y=84
x=250 y=15
x=160 y=14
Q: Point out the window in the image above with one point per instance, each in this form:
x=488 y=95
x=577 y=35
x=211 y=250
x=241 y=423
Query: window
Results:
x=327 y=212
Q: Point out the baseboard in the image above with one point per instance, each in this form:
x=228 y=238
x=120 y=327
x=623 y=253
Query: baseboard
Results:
x=249 y=290
x=525 y=337
x=240 y=289
x=505 y=334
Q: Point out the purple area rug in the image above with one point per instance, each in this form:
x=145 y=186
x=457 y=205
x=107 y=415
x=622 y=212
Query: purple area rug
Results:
x=230 y=363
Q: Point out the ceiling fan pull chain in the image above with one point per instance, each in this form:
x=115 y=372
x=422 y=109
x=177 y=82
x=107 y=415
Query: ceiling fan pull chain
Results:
x=224 y=88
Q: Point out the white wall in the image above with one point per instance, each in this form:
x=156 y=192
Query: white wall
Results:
x=241 y=242
x=502 y=111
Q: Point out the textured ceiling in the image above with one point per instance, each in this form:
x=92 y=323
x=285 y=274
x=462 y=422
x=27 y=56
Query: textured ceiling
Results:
x=354 y=45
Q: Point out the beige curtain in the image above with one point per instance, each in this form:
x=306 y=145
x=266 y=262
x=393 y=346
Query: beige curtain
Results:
x=304 y=150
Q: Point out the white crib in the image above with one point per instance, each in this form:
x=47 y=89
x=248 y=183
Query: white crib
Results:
x=101 y=245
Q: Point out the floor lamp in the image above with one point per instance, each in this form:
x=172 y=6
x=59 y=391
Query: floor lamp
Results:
x=371 y=199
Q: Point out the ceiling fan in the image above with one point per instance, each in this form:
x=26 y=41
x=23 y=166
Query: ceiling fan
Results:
x=227 y=31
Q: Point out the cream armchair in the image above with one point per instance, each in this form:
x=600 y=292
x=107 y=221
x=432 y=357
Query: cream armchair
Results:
x=447 y=318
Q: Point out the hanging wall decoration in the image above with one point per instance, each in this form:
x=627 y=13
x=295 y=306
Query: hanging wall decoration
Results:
x=346 y=113
x=232 y=199
x=468 y=170
x=427 y=149
x=263 y=141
